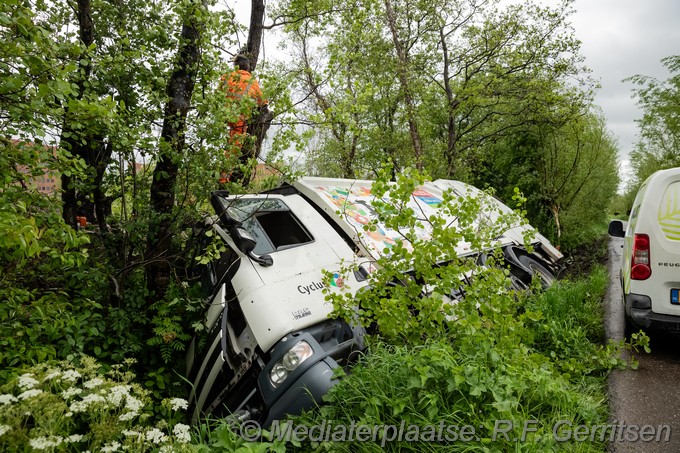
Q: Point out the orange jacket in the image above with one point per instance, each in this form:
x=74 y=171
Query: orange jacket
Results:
x=240 y=83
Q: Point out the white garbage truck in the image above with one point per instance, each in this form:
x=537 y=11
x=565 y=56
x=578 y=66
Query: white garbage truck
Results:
x=270 y=348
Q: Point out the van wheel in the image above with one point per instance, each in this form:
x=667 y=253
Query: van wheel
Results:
x=629 y=328
x=538 y=269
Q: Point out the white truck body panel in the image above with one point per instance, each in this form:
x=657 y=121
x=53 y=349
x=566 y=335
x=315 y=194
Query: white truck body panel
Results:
x=348 y=203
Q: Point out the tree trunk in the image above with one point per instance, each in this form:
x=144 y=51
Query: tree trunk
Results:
x=558 y=226
x=261 y=120
x=179 y=91
x=69 y=138
x=451 y=104
x=102 y=205
x=403 y=69
x=255 y=32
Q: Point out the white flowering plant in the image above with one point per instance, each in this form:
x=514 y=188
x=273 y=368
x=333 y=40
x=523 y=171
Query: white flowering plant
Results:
x=79 y=407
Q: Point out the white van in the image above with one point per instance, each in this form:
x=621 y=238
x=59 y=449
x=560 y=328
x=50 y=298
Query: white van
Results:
x=650 y=273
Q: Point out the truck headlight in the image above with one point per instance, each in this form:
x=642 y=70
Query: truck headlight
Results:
x=290 y=361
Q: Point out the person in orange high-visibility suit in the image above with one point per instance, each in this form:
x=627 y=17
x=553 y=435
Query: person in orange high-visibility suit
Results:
x=238 y=84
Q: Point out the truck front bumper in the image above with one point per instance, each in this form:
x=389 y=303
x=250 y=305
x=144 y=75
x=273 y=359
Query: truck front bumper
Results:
x=303 y=388
x=305 y=392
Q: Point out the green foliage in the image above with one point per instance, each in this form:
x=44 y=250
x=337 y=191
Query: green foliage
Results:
x=658 y=144
x=622 y=204
x=570 y=329
x=172 y=319
x=61 y=297
x=478 y=72
x=569 y=175
x=55 y=288
x=537 y=358
x=47 y=308
x=496 y=102
x=222 y=438
x=411 y=298
x=35 y=66
x=65 y=291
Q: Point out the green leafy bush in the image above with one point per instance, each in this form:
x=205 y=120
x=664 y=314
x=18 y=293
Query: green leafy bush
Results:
x=66 y=292
x=43 y=315
x=539 y=360
x=411 y=297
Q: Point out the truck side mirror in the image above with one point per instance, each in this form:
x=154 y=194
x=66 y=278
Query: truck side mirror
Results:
x=616 y=229
x=246 y=244
x=219 y=208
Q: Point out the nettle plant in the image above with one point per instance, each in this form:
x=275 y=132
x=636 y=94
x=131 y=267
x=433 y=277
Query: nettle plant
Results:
x=415 y=290
x=67 y=407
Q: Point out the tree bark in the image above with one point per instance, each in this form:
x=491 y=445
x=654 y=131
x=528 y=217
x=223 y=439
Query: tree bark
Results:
x=102 y=205
x=262 y=118
x=69 y=138
x=403 y=69
x=451 y=104
x=558 y=226
x=179 y=91
x=255 y=31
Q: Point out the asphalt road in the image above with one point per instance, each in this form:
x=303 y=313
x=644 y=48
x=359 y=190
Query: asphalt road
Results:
x=650 y=395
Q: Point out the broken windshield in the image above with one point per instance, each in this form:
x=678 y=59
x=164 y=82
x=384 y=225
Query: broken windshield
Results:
x=270 y=222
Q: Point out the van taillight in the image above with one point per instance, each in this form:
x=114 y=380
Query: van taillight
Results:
x=640 y=262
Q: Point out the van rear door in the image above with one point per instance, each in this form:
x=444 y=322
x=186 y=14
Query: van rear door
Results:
x=665 y=249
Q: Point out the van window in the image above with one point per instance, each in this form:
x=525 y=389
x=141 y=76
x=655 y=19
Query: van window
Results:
x=635 y=210
x=633 y=218
x=669 y=212
x=270 y=222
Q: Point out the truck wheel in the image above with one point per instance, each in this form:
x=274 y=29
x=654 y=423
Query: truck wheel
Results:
x=538 y=269
x=516 y=283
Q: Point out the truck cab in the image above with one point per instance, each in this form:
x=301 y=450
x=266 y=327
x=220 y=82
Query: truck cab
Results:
x=271 y=349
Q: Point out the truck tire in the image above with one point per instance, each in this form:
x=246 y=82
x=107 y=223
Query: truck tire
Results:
x=538 y=269
x=516 y=283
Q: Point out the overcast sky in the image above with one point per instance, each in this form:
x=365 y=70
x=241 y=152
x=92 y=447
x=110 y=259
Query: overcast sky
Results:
x=621 y=38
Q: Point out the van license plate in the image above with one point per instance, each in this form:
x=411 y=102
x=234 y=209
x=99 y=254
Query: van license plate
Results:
x=675 y=296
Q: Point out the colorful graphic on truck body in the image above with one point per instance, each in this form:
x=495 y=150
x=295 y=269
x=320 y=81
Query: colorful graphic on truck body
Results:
x=355 y=205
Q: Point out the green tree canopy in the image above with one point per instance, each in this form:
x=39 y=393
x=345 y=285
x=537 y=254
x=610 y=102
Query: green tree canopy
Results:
x=659 y=137
x=379 y=77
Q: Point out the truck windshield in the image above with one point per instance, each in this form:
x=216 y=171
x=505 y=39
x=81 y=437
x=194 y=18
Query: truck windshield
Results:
x=270 y=222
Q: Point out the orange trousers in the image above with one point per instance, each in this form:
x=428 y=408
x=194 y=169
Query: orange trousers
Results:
x=237 y=132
